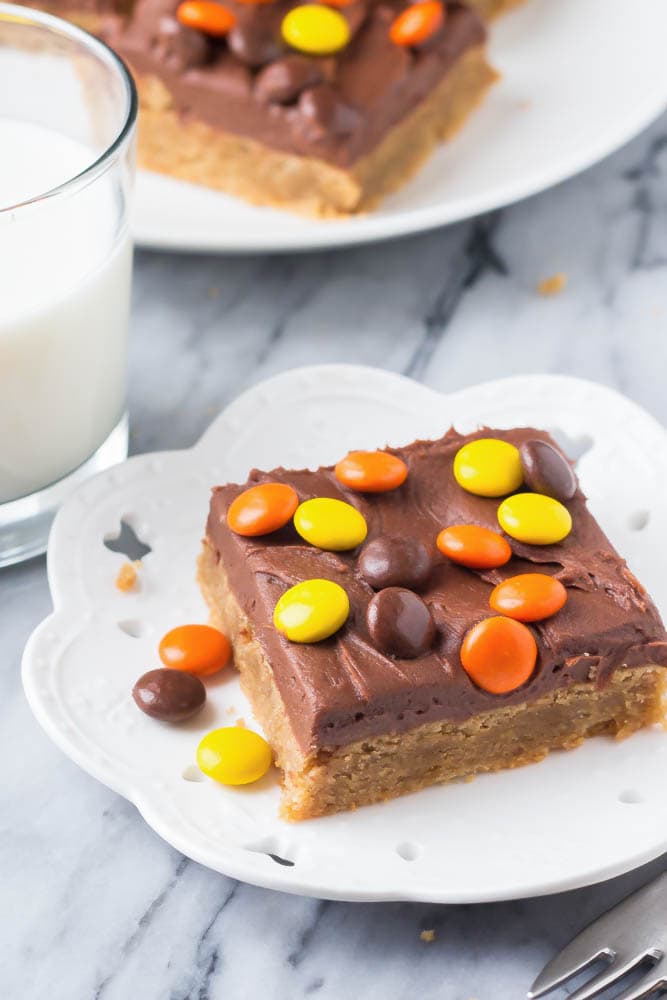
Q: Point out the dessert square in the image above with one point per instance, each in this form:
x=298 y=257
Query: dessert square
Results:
x=279 y=109
x=412 y=686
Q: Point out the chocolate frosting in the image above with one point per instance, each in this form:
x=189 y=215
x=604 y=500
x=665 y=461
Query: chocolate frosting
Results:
x=336 y=108
x=345 y=689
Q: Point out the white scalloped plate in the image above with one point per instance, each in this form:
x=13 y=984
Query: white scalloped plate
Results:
x=573 y=819
x=578 y=79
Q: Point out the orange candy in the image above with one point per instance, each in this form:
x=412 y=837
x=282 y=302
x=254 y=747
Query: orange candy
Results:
x=195 y=649
x=474 y=546
x=207 y=16
x=416 y=24
x=499 y=654
x=371 y=471
x=262 y=509
x=529 y=597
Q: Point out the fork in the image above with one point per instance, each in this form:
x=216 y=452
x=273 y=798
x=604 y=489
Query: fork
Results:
x=632 y=934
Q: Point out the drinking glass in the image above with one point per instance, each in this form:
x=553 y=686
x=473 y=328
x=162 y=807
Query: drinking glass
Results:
x=67 y=157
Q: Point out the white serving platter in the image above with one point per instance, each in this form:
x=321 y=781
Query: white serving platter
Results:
x=579 y=79
x=571 y=820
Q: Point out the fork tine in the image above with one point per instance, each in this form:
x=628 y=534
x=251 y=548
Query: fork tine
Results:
x=607 y=978
x=573 y=959
x=646 y=987
x=640 y=914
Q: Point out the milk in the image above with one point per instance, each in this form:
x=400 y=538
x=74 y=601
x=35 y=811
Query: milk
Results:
x=64 y=301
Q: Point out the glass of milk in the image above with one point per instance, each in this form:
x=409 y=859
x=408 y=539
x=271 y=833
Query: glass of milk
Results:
x=67 y=124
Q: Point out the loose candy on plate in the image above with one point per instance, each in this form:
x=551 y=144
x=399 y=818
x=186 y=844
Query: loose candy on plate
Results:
x=395 y=561
x=169 y=695
x=311 y=611
x=400 y=623
x=529 y=597
x=206 y=15
x=262 y=509
x=195 y=649
x=315 y=29
x=234 y=755
x=474 y=546
x=371 y=471
x=417 y=23
x=534 y=519
x=499 y=654
x=488 y=467
x=547 y=471
x=330 y=524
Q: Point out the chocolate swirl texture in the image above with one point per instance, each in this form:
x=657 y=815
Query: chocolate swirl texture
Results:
x=345 y=689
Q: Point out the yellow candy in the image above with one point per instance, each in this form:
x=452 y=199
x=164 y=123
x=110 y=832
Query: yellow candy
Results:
x=330 y=524
x=488 y=467
x=234 y=756
x=311 y=611
x=534 y=519
x=315 y=29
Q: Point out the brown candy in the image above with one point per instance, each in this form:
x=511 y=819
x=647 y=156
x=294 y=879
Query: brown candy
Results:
x=395 y=561
x=169 y=695
x=355 y=14
x=253 y=43
x=322 y=112
x=399 y=623
x=180 y=48
x=284 y=80
x=546 y=471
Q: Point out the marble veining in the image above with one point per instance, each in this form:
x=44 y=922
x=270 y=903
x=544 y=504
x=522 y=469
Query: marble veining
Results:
x=93 y=905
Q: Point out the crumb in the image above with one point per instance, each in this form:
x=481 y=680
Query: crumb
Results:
x=231 y=710
x=240 y=723
x=468 y=778
x=213 y=292
x=128 y=575
x=427 y=936
x=553 y=285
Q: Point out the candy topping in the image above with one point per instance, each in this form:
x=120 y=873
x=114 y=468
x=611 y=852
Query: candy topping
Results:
x=234 y=755
x=169 y=695
x=473 y=546
x=283 y=80
x=371 y=471
x=488 y=467
x=311 y=611
x=399 y=623
x=330 y=524
x=315 y=29
x=529 y=597
x=207 y=16
x=418 y=23
x=534 y=519
x=395 y=561
x=195 y=649
x=499 y=654
x=262 y=509
x=547 y=471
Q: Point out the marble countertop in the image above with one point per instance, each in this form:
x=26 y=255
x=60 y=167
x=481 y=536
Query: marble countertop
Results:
x=93 y=905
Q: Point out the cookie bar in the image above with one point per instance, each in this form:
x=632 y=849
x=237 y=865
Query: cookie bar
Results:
x=454 y=610
x=320 y=109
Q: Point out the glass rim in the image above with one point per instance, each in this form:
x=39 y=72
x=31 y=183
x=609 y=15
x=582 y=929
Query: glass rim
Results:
x=12 y=13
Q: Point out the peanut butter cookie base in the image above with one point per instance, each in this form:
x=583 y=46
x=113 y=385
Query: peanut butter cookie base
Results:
x=195 y=151
x=494 y=8
x=373 y=770
x=89 y=20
